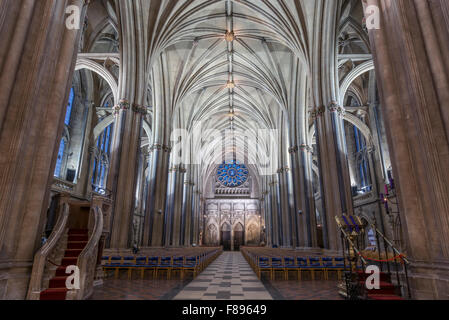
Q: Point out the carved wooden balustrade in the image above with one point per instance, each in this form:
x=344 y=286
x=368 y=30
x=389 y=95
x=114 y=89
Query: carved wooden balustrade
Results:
x=42 y=259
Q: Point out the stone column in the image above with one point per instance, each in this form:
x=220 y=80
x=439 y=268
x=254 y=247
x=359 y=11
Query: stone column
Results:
x=286 y=207
x=195 y=220
x=123 y=175
x=296 y=196
x=92 y=150
x=173 y=206
x=84 y=185
x=275 y=214
x=129 y=113
x=186 y=211
x=410 y=50
x=157 y=193
x=327 y=114
x=141 y=189
x=192 y=215
x=307 y=227
x=177 y=232
x=334 y=171
x=37 y=60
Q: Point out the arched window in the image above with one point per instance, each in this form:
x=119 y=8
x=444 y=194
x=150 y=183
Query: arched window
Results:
x=68 y=114
x=60 y=159
x=59 y=169
x=101 y=161
x=232 y=175
x=362 y=161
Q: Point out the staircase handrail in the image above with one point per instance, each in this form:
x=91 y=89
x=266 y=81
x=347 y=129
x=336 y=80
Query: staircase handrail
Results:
x=395 y=250
x=41 y=257
x=87 y=260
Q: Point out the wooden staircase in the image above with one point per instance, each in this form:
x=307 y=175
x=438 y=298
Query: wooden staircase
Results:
x=388 y=291
x=77 y=241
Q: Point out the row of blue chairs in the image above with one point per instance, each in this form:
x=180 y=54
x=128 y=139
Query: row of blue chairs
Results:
x=169 y=265
x=288 y=265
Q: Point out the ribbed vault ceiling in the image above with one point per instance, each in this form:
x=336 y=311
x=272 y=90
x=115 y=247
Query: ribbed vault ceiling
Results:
x=248 y=84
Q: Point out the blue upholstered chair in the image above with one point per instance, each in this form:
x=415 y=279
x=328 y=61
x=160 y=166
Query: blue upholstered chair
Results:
x=277 y=265
x=338 y=266
x=113 y=264
x=178 y=264
x=301 y=264
x=191 y=264
x=165 y=264
x=314 y=265
x=289 y=265
x=126 y=264
x=139 y=265
x=151 y=264
x=328 y=264
x=264 y=265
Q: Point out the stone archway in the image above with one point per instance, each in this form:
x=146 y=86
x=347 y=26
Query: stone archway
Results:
x=225 y=236
x=239 y=236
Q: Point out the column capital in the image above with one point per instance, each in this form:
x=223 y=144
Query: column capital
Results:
x=317 y=112
x=293 y=149
x=122 y=105
x=178 y=168
x=335 y=107
x=284 y=169
x=306 y=148
x=167 y=148
x=125 y=105
x=137 y=108
x=156 y=146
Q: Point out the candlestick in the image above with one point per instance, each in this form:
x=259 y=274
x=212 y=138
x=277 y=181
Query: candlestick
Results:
x=392 y=186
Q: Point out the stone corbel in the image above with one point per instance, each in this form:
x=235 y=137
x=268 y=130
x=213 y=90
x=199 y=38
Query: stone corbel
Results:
x=334 y=107
x=179 y=169
x=285 y=169
x=157 y=147
x=317 y=112
x=166 y=148
x=306 y=148
x=123 y=105
x=140 y=109
x=293 y=149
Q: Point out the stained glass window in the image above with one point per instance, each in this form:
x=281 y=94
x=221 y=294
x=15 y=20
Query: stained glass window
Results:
x=68 y=114
x=59 y=159
x=232 y=175
x=363 y=165
x=101 y=161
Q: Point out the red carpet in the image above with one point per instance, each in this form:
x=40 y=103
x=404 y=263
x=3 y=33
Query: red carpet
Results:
x=77 y=241
x=387 y=290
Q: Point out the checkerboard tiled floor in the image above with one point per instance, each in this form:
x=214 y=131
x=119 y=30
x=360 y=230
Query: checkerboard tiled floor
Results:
x=229 y=278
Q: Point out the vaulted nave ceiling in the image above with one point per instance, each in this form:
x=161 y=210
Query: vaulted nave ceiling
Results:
x=226 y=64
